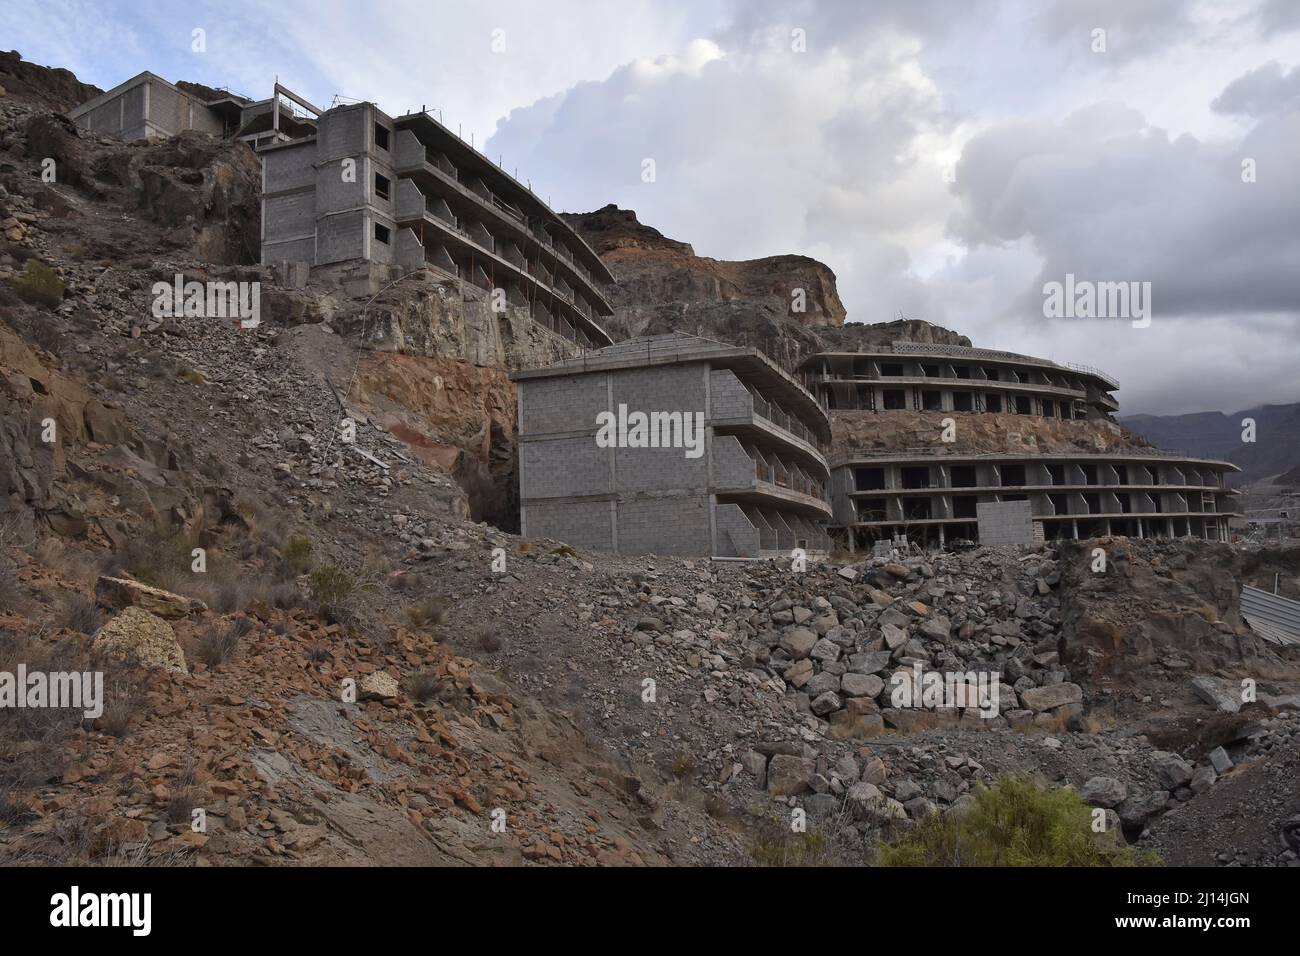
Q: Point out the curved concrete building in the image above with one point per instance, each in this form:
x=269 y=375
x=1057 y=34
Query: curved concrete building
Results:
x=924 y=377
x=1087 y=478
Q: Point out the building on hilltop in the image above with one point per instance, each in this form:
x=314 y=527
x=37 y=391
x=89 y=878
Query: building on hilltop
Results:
x=363 y=197
x=1001 y=492
x=754 y=484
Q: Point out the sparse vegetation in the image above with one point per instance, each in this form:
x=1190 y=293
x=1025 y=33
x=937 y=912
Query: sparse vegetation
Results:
x=332 y=590
x=39 y=284
x=488 y=640
x=185 y=796
x=80 y=614
x=296 y=556
x=1012 y=823
x=118 y=710
x=683 y=764
x=429 y=611
x=425 y=685
x=219 y=643
x=158 y=555
x=779 y=846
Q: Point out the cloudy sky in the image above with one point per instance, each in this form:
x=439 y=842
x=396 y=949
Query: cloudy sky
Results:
x=946 y=160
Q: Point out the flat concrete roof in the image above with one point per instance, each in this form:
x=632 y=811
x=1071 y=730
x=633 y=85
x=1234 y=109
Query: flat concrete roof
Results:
x=679 y=348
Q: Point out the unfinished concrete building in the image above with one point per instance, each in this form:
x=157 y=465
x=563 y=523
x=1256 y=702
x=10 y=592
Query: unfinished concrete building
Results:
x=355 y=195
x=758 y=486
x=951 y=378
x=939 y=498
x=148 y=107
x=370 y=196
x=1001 y=494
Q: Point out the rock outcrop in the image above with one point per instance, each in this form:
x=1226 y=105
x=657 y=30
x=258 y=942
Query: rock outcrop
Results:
x=142 y=638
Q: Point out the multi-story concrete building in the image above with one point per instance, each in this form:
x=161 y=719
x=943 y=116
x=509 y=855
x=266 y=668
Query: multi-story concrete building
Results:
x=355 y=194
x=148 y=107
x=365 y=192
x=756 y=486
x=939 y=493
x=938 y=496
x=952 y=378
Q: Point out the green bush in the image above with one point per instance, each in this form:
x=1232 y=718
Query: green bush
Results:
x=1012 y=823
x=39 y=283
x=782 y=847
x=297 y=555
x=331 y=589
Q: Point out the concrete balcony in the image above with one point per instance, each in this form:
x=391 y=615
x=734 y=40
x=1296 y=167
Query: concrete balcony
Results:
x=466 y=199
x=747 y=476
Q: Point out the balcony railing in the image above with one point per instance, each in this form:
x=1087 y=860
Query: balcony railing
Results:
x=766 y=410
x=790 y=479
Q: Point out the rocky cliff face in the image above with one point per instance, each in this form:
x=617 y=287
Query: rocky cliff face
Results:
x=662 y=281
x=663 y=286
x=42 y=86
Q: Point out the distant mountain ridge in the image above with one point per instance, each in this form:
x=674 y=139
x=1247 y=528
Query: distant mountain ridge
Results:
x=1276 y=447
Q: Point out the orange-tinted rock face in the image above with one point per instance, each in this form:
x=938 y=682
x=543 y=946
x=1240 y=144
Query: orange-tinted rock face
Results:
x=455 y=416
x=658 y=276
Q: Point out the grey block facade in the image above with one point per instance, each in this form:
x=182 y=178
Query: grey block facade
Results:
x=1005 y=522
x=939 y=497
x=148 y=107
x=756 y=488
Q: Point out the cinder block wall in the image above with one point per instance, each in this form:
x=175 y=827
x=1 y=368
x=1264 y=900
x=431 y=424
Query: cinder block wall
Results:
x=658 y=500
x=727 y=397
x=1005 y=522
x=737 y=535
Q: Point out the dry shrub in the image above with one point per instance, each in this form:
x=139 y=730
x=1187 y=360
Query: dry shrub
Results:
x=218 y=643
x=79 y=613
x=432 y=610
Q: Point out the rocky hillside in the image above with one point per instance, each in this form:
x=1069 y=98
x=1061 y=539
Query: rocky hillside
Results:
x=975 y=434
x=43 y=87
x=314 y=642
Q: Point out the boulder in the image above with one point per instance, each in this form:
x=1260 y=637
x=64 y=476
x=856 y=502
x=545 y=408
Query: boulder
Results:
x=861 y=685
x=141 y=637
x=1203 y=778
x=378 y=685
x=1104 y=792
x=788 y=776
x=895 y=637
x=1049 y=698
x=1219 y=760
x=1212 y=692
x=1137 y=809
x=798 y=642
x=823 y=683
x=825 y=650
x=850 y=723
x=1172 y=770
x=826 y=703
x=121 y=593
x=869 y=662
